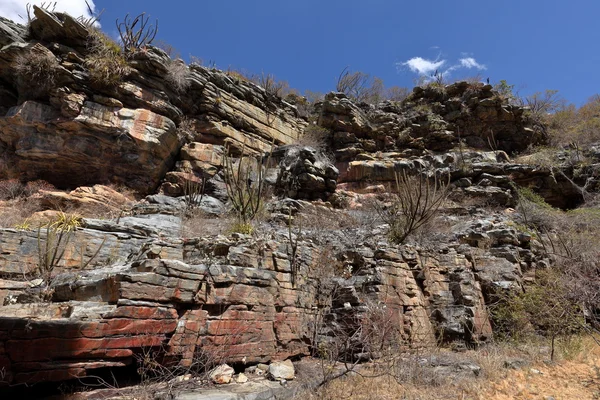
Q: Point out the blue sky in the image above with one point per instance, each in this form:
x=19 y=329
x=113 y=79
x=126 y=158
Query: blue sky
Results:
x=533 y=44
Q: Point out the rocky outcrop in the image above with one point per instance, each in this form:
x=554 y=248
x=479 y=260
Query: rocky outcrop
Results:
x=11 y=32
x=77 y=132
x=435 y=118
x=247 y=299
x=304 y=173
x=137 y=284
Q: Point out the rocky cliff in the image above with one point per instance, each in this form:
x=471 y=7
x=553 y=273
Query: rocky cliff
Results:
x=152 y=285
x=79 y=132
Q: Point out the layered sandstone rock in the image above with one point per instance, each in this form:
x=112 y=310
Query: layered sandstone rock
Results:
x=246 y=299
x=77 y=132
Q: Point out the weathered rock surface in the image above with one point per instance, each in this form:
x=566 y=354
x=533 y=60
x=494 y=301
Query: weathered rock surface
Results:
x=279 y=370
x=304 y=174
x=249 y=299
x=244 y=299
x=76 y=133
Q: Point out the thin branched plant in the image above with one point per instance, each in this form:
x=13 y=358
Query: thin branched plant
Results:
x=245 y=184
x=415 y=203
x=136 y=34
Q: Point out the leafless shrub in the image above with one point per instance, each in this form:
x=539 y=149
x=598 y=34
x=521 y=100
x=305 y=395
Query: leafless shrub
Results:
x=543 y=103
x=272 y=86
x=245 y=185
x=168 y=48
x=18 y=212
x=397 y=93
x=415 y=202
x=11 y=189
x=196 y=60
x=177 y=75
x=136 y=34
x=186 y=129
x=360 y=87
x=318 y=138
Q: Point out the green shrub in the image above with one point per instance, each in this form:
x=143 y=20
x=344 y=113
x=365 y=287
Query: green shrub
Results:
x=545 y=307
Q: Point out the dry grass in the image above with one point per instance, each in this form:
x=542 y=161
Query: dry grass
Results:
x=17 y=212
x=199 y=224
x=106 y=63
x=177 y=75
x=573 y=377
x=36 y=72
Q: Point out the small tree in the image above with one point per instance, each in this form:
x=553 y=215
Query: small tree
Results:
x=545 y=308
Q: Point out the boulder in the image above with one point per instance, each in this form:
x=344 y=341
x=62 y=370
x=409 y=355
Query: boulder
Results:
x=304 y=173
x=282 y=370
x=221 y=374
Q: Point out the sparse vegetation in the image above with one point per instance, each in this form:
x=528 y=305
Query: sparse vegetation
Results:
x=339 y=289
x=36 y=71
x=53 y=239
x=360 y=86
x=177 y=75
x=244 y=180
x=136 y=34
x=105 y=61
x=414 y=204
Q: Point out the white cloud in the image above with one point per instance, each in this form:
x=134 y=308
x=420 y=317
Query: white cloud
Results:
x=470 y=62
x=423 y=66
x=432 y=69
x=16 y=9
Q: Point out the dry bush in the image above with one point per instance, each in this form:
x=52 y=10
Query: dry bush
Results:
x=177 y=75
x=36 y=72
x=575 y=127
x=546 y=308
x=240 y=75
x=272 y=86
x=17 y=213
x=168 y=48
x=361 y=87
x=11 y=189
x=414 y=204
x=397 y=93
x=564 y=298
x=105 y=61
x=198 y=224
x=318 y=138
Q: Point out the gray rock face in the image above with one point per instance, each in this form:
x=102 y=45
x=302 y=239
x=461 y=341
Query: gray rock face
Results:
x=11 y=32
x=304 y=173
x=431 y=118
